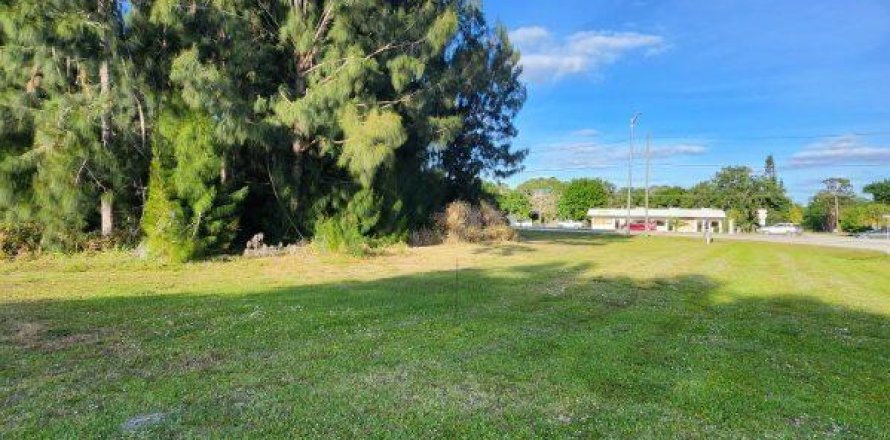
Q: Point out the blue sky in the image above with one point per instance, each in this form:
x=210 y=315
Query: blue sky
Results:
x=718 y=83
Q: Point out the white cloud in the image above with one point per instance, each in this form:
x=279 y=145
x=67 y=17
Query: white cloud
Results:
x=547 y=58
x=620 y=152
x=585 y=132
x=529 y=35
x=595 y=155
x=839 y=151
x=678 y=150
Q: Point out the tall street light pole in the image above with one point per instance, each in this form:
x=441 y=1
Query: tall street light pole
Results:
x=630 y=167
x=648 y=138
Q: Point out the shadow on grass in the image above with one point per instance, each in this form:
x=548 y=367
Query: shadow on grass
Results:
x=549 y=237
x=582 y=238
x=503 y=249
x=540 y=350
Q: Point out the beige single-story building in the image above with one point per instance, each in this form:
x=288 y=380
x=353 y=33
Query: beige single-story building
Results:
x=665 y=219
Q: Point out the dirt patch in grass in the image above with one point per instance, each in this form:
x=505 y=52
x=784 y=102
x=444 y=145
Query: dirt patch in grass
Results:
x=40 y=336
x=199 y=361
x=24 y=334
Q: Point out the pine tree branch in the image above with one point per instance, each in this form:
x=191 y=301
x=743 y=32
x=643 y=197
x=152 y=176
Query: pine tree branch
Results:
x=323 y=23
x=79 y=172
x=348 y=60
x=280 y=203
x=90 y=172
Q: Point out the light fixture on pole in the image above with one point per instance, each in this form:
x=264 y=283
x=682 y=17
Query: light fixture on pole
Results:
x=630 y=165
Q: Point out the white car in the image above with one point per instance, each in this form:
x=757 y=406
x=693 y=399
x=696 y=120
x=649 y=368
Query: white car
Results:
x=781 y=229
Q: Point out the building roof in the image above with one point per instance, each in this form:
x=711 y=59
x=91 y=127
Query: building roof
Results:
x=658 y=212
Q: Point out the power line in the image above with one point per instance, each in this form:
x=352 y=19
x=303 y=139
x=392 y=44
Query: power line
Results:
x=577 y=145
x=686 y=195
x=711 y=140
x=686 y=165
x=782 y=137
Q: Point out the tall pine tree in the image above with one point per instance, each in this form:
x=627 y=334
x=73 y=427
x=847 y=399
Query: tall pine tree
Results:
x=76 y=159
x=212 y=120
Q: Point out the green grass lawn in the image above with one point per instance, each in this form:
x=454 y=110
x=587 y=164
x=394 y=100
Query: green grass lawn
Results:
x=553 y=336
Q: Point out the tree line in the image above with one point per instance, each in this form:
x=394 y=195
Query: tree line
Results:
x=739 y=190
x=838 y=207
x=191 y=125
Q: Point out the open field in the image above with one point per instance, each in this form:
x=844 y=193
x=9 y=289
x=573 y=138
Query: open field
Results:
x=559 y=335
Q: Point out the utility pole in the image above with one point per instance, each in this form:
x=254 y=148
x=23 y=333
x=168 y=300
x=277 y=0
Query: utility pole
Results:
x=648 y=139
x=630 y=167
x=837 y=214
x=887 y=217
x=834 y=186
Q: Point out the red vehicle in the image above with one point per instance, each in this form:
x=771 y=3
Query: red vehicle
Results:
x=642 y=226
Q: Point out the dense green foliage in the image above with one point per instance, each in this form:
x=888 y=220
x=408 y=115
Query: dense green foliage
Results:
x=18 y=238
x=543 y=195
x=659 y=197
x=837 y=206
x=70 y=140
x=544 y=184
x=738 y=190
x=825 y=206
x=188 y=213
x=864 y=216
x=582 y=194
x=514 y=203
x=741 y=193
x=205 y=122
x=667 y=197
x=880 y=191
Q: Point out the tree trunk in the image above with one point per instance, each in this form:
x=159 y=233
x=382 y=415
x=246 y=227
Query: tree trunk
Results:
x=299 y=147
x=141 y=120
x=104 y=80
x=837 y=215
x=107 y=199
x=103 y=90
x=107 y=211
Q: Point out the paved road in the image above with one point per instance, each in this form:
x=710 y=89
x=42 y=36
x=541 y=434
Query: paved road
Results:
x=818 y=240
x=813 y=239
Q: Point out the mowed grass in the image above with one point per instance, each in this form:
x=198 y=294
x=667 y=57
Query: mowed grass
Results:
x=557 y=336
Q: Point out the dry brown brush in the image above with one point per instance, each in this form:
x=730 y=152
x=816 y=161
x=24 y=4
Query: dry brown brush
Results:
x=463 y=222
